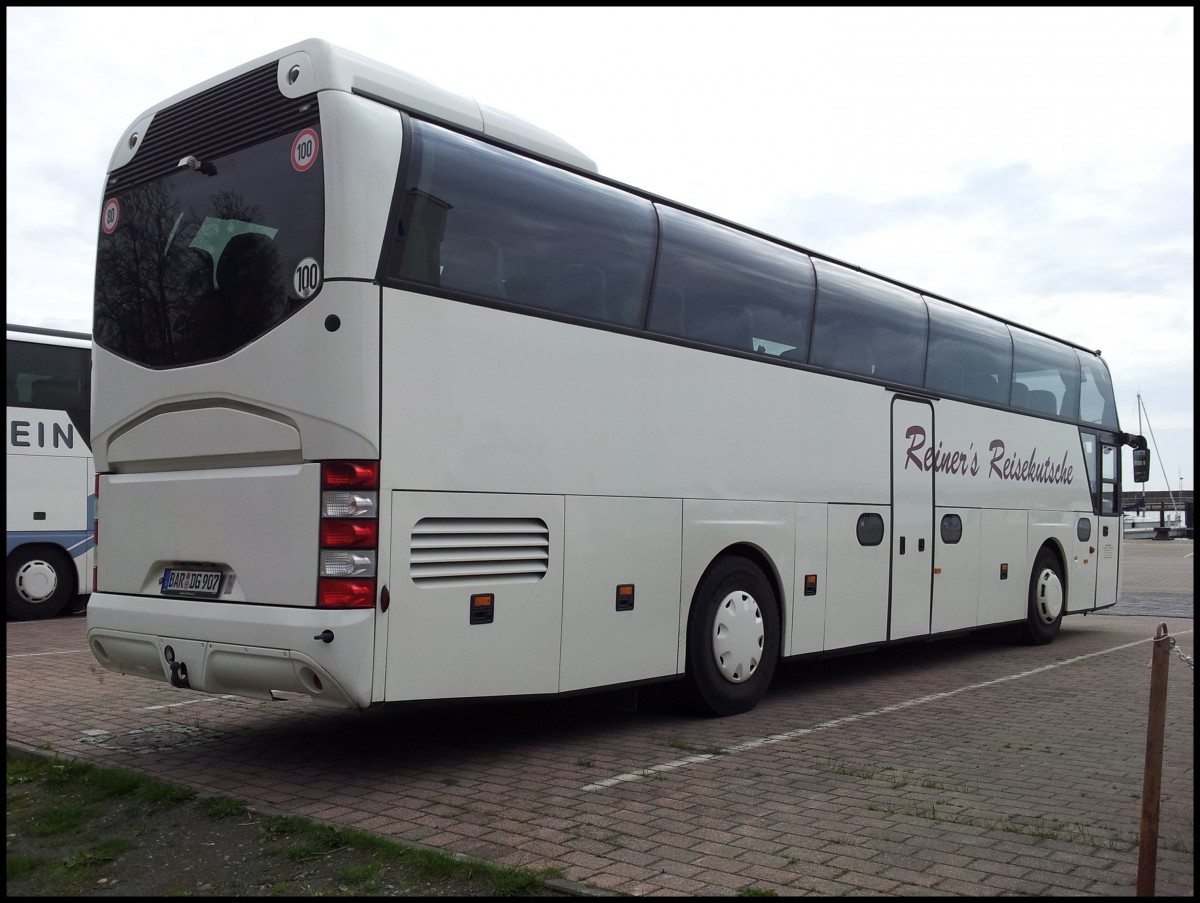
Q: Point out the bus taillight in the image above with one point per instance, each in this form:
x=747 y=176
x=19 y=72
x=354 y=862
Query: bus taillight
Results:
x=350 y=474
x=349 y=534
x=336 y=593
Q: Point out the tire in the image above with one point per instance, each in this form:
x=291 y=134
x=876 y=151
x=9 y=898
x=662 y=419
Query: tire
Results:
x=733 y=637
x=41 y=581
x=1047 y=600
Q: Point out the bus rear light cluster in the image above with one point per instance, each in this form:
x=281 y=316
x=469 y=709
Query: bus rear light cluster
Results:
x=349 y=534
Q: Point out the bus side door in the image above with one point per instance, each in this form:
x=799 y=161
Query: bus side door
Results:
x=910 y=605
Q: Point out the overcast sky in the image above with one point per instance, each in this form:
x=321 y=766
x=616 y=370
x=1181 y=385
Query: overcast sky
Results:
x=1035 y=163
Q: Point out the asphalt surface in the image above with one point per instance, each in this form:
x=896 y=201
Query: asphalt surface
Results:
x=962 y=767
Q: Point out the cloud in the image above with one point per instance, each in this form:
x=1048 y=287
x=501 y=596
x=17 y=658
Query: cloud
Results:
x=1034 y=163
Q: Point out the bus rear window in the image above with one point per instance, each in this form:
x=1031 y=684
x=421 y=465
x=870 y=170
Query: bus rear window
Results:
x=198 y=263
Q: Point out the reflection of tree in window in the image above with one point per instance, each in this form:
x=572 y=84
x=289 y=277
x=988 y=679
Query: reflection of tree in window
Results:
x=133 y=297
x=180 y=284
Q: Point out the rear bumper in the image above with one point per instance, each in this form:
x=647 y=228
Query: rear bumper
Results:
x=237 y=649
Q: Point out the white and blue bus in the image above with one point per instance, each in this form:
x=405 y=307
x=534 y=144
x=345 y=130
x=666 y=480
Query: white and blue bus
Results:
x=396 y=398
x=50 y=479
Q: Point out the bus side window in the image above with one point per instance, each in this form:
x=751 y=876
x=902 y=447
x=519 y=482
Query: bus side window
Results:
x=851 y=354
x=742 y=292
x=1044 y=402
x=944 y=376
x=968 y=355
x=890 y=324
x=474 y=265
x=900 y=348
x=727 y=325
x=982 y=386
x=576 y=288
x=1044 y=365
x=668 y=309
x=56 y=393
x=1097 y=404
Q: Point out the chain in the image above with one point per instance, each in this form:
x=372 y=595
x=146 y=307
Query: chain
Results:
x=1187 y=659
x=1183 y=656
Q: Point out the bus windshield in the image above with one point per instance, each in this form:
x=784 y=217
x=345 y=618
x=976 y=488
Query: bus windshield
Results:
x=194 y=264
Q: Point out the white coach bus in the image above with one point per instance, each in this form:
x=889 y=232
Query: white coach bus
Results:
x=49 y=480
x=396 y=398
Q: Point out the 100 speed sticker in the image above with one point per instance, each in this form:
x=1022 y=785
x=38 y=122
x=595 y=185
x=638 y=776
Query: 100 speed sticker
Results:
x=304 y=150
x=307 y=278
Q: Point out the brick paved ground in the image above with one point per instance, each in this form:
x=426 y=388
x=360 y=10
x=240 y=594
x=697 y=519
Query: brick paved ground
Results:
x=964 y=767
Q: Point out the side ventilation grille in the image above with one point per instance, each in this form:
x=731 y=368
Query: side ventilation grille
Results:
x=455 y=550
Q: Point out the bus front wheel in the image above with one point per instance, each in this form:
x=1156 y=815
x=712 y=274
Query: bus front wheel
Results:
x=41 y=580
x=733 y=637
x=1047 y=599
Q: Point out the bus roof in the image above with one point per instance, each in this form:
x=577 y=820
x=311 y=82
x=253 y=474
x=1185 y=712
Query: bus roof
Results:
x=316 y=65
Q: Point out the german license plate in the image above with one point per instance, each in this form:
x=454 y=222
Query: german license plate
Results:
x=191 y=583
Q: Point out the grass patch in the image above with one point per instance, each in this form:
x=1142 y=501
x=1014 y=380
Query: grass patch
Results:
x=18 y=867
x=848 y=770
x=74 y=827
x=220 y=807
x=686 y=747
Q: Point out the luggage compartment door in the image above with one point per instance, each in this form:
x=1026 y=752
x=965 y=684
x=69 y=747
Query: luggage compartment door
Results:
x=475 y=595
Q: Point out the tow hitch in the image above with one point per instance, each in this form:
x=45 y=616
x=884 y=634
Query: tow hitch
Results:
x=179 y=675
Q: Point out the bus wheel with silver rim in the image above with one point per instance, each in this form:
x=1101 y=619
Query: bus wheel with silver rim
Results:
x=41 y=580
x=1047 y=599
x=733 y=637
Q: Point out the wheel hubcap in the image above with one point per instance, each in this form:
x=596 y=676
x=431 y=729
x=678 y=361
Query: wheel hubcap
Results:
x=738 y=635
x=36 y=581
x=1049 y=596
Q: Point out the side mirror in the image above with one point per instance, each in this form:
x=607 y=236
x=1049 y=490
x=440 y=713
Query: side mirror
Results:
x=1141 y=465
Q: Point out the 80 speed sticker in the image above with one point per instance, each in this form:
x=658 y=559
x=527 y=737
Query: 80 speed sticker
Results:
x=111 y=216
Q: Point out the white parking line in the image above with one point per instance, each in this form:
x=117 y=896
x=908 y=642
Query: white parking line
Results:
x=836 y=722
x=176 y=705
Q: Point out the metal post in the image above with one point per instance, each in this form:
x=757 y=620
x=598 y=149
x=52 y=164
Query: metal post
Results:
x=1152 y=780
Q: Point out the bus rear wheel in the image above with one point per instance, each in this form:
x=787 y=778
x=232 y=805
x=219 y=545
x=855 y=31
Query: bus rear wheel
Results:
x=1047 y=599
x=733 y=637
x=41 y=580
